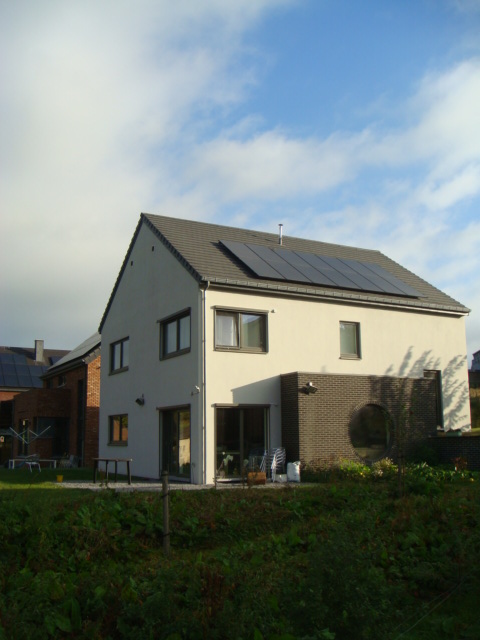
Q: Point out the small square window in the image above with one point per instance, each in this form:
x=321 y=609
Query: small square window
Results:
x=119 y=355
x=175 y=335
x=118 y=429
x=349 y=340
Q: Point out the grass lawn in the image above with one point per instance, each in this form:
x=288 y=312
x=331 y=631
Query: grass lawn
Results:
x=342 y=559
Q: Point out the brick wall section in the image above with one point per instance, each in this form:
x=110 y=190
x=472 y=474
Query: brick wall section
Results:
x=465 y=446
x=63 y=402
x=92 y=412
x=315 y=427
x=8 y=395
x=51 y=403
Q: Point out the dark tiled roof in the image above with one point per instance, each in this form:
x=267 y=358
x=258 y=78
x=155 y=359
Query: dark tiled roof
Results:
x=197 y=245
x=89 y=349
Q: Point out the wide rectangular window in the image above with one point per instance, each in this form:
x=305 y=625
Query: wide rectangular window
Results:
x=240 y=330
x=118 y=429
x=175 y=335
x=119 y=355
x=349 y=340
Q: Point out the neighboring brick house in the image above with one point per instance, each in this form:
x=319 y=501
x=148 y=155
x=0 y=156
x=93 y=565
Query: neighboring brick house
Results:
x=222 y=342
x=21 y=369
x=62 y=418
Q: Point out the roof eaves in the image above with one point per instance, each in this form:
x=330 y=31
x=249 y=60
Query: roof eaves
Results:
x=343 y=295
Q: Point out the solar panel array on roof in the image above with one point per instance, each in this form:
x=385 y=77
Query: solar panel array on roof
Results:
x=298 y=266
x=16 y=373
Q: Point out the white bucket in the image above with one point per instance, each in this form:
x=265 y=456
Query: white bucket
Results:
x=293 y=472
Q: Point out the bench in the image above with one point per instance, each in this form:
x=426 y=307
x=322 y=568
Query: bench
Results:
x=115 y=462
x=32 y=462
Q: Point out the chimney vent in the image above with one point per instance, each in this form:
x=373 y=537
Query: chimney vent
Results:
x=38 y=350
x=280 y=234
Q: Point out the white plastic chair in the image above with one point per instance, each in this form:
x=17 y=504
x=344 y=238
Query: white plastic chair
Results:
x=273 y=461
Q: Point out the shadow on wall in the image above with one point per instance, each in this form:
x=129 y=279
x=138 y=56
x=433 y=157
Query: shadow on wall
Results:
x=265 y=392
x=454 y=395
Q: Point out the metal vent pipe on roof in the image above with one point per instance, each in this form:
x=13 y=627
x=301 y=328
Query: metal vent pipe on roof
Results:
x=280 y=234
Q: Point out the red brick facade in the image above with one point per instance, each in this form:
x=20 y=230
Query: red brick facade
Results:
x=69 y=403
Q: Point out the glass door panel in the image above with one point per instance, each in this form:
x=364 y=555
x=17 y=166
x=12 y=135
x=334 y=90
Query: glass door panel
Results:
x=241 y=434
x=176 y=442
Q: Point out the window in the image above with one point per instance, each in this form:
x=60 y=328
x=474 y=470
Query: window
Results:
x=349 y=340
x=241 y=330
x=175 y=335
x=371 y=432
x=118 y=430
x=437 y=376
x=119 y=355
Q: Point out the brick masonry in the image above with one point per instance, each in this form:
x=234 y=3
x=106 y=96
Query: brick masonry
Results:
x=81 y=416
x=315 y=426
x=449 y=447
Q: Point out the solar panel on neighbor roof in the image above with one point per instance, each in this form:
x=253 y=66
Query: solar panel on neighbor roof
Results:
x=299 y=266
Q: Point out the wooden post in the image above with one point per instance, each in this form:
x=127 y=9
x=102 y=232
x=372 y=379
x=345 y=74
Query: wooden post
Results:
x=166 y=514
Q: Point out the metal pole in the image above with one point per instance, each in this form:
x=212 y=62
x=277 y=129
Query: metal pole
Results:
x=166 y=514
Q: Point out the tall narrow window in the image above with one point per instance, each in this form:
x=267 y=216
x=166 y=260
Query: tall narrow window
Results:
x=349 y=340
x=240 y=330
x=119 y=355
x=437 y=376
x=175 y=335
x=118 y=429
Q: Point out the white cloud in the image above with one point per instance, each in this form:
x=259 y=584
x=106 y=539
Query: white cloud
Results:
x=108 y=110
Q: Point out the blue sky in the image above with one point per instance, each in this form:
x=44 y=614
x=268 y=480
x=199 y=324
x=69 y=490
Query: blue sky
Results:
x=349 y=122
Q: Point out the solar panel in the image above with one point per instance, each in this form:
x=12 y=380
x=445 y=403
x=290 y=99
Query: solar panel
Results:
x=251 y=259
x=298 y=266
x=10 y=380
x=8 y=368
x=25 y=381
x=279 y=262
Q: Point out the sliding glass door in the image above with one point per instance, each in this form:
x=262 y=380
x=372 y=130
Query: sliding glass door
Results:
x=241 y=437
x=176 y=442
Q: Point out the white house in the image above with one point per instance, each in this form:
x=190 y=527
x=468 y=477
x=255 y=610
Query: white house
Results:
x=216 y=339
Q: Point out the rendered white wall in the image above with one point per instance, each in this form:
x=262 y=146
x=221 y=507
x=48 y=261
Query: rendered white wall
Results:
x=304 y=336
x=155 y=286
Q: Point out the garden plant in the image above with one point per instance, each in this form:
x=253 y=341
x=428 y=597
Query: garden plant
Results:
x=338 y=556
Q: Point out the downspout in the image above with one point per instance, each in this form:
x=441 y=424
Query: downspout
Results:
x=204 y=377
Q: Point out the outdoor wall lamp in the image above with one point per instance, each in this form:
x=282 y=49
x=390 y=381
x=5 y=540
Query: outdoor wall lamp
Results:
x=309 y=388
x=140 y=401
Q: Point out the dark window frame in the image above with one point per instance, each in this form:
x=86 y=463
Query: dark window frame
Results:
x=175 y=320
x=436 y=374
x=121 y=442
x=240 y=346
x=124 y=355
x=351 y=355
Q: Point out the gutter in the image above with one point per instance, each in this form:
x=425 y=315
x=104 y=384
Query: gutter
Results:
x=336 y=296
x=204 y=378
